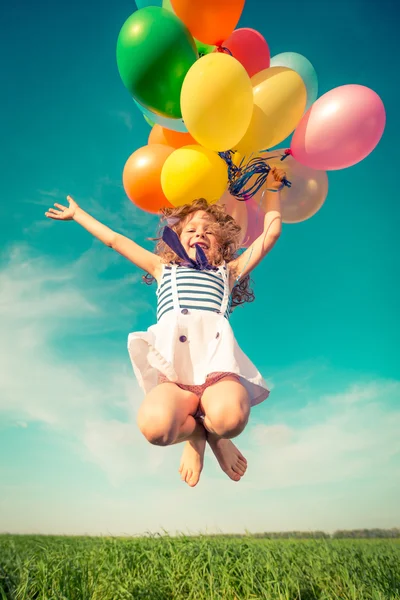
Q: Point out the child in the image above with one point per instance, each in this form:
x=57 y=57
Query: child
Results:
x=199 y=385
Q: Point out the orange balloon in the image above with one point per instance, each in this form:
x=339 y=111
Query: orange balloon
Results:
x=209 y=21
x=174 y=139
x=142 y=177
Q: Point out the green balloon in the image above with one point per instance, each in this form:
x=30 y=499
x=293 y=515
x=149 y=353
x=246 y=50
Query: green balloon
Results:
x=155 y=50
x=203 y=48
x=167 y=5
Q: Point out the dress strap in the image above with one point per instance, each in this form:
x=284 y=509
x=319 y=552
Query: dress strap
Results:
x=225 y=300
x=174 y=288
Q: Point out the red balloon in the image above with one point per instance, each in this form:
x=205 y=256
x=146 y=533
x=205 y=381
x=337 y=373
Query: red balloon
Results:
x=250 y=49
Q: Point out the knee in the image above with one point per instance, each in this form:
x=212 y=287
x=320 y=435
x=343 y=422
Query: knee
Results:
x=229 y=422
x=156 y=428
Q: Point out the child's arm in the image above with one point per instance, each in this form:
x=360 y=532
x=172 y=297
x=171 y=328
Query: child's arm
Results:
x=246 y=262
x=148 y=261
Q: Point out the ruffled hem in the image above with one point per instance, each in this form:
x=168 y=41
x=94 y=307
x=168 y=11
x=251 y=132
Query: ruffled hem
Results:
x=149 y=363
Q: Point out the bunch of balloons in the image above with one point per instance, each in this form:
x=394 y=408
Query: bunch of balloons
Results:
x=207 y=88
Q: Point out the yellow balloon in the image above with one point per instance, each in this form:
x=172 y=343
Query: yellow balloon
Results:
x=280 y=97
x=193 y=172
x=217 y=101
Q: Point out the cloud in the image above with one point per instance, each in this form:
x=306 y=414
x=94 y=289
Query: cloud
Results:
x=114 y=447
x=43 y=308
x=62 y=367
x=338 y=437
x=123 y=116
x=107 y=203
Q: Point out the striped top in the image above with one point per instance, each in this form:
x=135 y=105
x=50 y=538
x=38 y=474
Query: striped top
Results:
x=198 y=290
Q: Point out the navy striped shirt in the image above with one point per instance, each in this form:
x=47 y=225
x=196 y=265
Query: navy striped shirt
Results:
x=199 y=290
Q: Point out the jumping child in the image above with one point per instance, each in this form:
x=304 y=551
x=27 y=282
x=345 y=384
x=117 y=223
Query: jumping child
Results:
x=199 y=386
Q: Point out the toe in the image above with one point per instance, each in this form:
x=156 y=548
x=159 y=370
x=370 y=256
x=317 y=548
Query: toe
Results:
x=194 y=479
x=238 y=468
x=242 y=465
x=233 y=475
x=189 y=474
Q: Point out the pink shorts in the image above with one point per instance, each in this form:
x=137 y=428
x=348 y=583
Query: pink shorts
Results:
x=199 y=389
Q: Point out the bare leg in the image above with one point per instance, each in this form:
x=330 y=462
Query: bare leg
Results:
x=227 y=407
x=166 y=418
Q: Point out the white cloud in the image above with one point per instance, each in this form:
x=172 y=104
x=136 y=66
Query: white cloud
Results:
x=331 y=438
x=337 y=438
x=123 y=116
x=115 y=447
x=53 y=195
x=41 y=306
x=344 y=436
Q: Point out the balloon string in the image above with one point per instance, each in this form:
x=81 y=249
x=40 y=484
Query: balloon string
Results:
x=240 y=175
x=224 y=50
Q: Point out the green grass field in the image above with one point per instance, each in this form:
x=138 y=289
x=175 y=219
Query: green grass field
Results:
x=197 y=568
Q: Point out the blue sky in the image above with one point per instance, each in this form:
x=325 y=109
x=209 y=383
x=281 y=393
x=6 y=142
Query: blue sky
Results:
x=323 y=451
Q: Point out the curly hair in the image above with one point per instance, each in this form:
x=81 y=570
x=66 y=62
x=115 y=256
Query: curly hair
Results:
x=227 y=233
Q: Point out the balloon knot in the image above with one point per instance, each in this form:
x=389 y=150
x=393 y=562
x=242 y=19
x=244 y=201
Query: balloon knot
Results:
x=224 y=50
x=287 y=153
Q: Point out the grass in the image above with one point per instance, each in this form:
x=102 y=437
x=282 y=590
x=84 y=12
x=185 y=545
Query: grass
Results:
x=197 y=568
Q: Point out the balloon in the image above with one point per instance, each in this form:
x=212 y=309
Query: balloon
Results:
x=154 y=52
x=340 y=129
x=173 y=124
x=255 y=219
x=279 y=101
x=250 y=49
x=193 y=172
x=202 y=48
x=144 y=3
x=142 y=177
x=304 y=68
x=148 y=121
x=210 y=21
x=217 y=101
x=308 y=192
x=236 y=209
x=173 y=139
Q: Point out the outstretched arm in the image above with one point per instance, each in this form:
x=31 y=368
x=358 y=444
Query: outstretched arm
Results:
x=246 y=262
x=148 y=261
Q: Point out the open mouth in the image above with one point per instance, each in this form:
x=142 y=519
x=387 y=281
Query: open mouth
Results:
x=201 y=244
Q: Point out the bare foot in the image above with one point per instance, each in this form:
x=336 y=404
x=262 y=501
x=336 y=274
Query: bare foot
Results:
x=231 y=460
x=193 y=457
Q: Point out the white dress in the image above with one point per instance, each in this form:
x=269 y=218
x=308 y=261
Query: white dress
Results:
x=192 y=337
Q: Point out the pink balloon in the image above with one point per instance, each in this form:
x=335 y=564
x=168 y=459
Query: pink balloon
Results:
x=340 y=129
x=255 y=219
x=250 y=49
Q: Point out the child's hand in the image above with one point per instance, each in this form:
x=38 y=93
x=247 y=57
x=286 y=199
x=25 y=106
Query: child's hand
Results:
x=275 y=177
x=64 y=213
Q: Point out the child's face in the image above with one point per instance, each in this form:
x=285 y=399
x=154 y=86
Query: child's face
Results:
x=199 y=229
